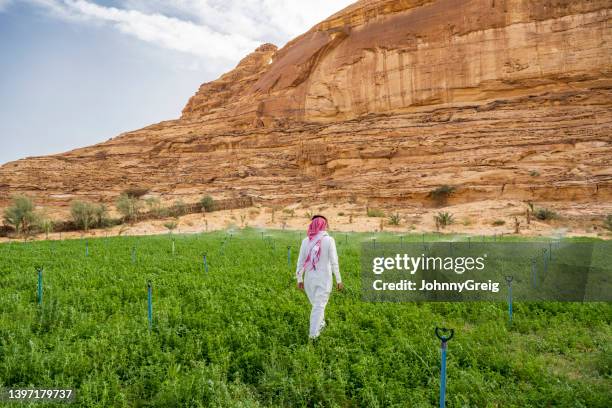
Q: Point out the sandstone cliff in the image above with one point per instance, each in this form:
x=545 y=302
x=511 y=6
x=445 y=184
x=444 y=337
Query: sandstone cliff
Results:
x=381 y=103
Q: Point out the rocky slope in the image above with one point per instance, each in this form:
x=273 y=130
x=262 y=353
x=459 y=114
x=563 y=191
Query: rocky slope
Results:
x=380 y=104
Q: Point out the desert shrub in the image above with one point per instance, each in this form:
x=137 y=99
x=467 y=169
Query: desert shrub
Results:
x=179 y=208
x=84 y=214
x=156 y=208
x=534 y=173
x=136 y=192
x=394 y=219
x=441 y=194
x=171 y=226
x=208 y=203
x=341 y=214
x=45 y=224
x=374 y=212
x=101 y=215
x=444 y=218
x=498 y=223
x=545 y=214
x=20 y=214
x=129 y=207
x=608 y=222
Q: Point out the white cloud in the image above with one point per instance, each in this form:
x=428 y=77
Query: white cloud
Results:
x=220 y=29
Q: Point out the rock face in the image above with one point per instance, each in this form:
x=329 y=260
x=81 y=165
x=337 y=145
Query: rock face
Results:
x=380 y=103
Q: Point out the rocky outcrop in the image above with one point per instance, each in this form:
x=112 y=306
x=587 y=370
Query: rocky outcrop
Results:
x=381 y=103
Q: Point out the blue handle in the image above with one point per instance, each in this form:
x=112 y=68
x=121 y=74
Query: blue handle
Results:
x=40 y=287
x=443 y=377
x=289 y=257
x=205 y=264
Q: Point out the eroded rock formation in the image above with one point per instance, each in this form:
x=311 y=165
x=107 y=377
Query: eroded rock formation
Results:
x=381 y=103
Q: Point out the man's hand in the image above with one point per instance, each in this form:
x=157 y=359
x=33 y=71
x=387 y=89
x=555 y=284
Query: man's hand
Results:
x=340 y=286
x=300 y=285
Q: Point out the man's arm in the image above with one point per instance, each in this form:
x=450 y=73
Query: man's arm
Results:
x=333 y=260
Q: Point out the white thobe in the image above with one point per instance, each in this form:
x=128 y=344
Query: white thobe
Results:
x=318 y=282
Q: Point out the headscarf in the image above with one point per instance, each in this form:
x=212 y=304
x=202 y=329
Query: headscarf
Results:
x=316 y=232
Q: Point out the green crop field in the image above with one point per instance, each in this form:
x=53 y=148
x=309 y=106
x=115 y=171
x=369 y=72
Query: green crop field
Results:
x=236 y=336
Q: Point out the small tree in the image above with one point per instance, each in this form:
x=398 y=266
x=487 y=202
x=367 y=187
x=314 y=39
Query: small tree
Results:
x=545 y=214
x=83 y=214
x=129 y=207
x=46 y=225
x=101 y=215
x=20 y=215
x=170 y=226
x=208 y=203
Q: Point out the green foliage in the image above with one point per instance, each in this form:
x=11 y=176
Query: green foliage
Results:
x=444 y=218
x=608 y=222
x=394 y=219
x=237 y=336
x=545 y=214
x=45 y=224
x=155 y=207
x=208 y=203
x=171 y=225
x=20 y=214
x=498 y=223
x=179 y=208
x=375 y=212
x=441 y=194
x=129 y=207
x=86 y=215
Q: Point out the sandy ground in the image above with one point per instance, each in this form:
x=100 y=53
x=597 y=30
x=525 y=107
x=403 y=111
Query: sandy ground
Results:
x=473 y=219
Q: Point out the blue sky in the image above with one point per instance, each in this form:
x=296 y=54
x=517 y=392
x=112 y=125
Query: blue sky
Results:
x=78 y=72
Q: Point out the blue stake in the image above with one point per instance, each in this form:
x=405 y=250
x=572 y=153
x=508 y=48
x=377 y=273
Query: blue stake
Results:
x=509 y=280
x=289 y=257
x=550 y=251
x=86 y=248
x=444 y=340
x=150 y=308
x=173 y=247
x=40 y=285
x=133 y=254
x=205 y=263
x=533 y=272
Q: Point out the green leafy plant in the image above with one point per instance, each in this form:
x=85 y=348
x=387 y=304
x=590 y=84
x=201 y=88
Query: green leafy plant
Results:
x=444 y=218
x=545 y=214
x=179 y=208
x=46 y=225
x=84 y=214
x=155 y=207
x=207 y=203
x=129 y=207
x=171 y=226
x=498 y=223
x=20 y=214
x=394 y=219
